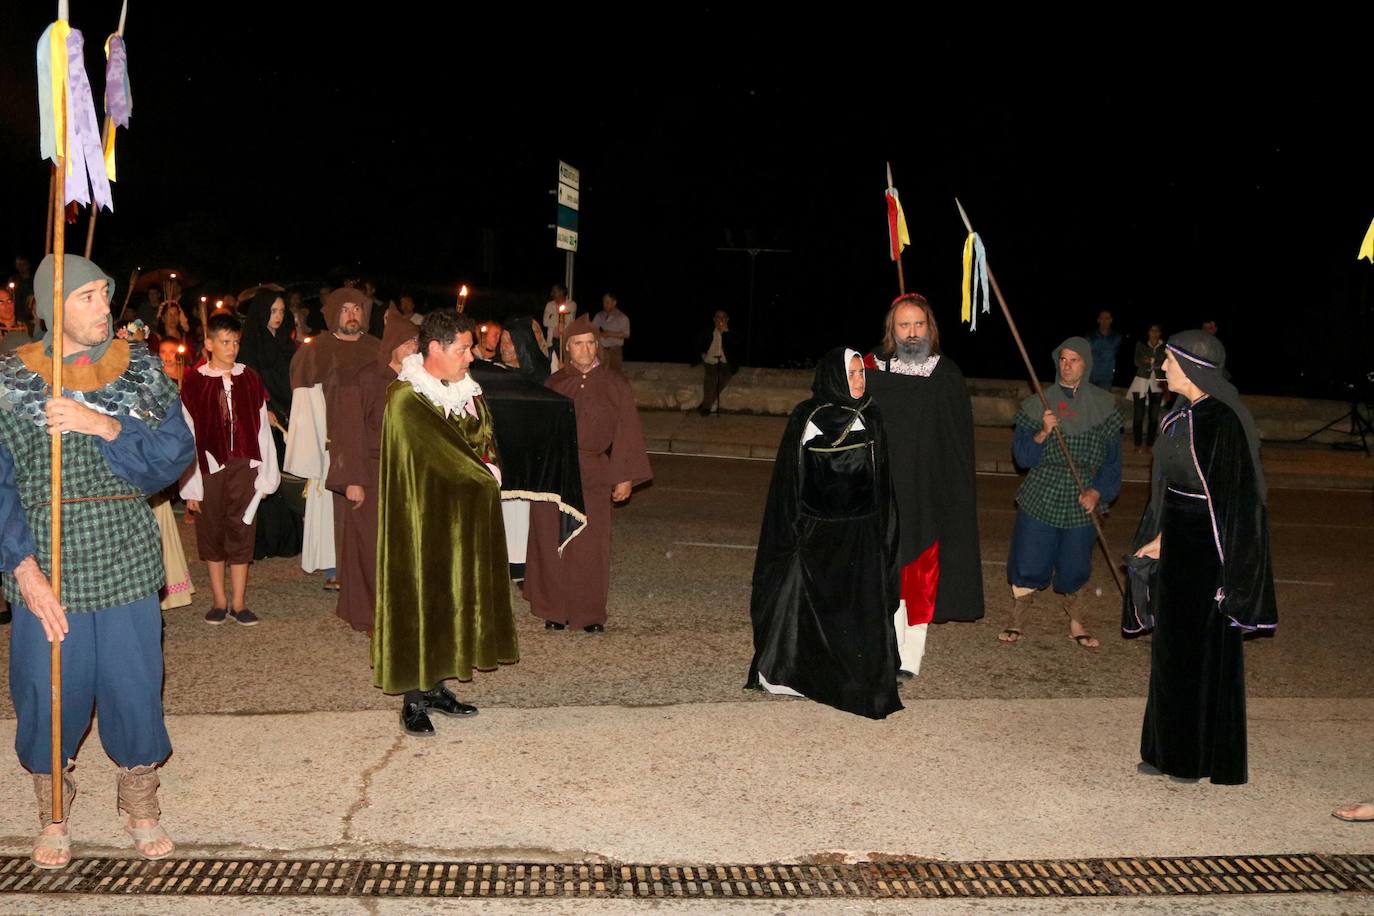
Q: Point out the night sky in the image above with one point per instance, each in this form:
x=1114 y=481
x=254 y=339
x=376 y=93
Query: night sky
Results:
x=1208 y=176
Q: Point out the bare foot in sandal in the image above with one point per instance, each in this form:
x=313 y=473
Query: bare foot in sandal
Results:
x=53 y=848
x=1079 y=634
x=151 y=841
x=1009 y=635
x=1360 y=812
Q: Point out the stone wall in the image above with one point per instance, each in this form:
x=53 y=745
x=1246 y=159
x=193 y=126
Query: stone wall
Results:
x=774 y=392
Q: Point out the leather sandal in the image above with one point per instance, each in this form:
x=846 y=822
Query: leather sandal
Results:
x=59 y=842
x=42 y=786
x=146 y=835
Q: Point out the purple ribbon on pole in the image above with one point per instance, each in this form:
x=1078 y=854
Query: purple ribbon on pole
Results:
x=85 y=157
x=119 y=99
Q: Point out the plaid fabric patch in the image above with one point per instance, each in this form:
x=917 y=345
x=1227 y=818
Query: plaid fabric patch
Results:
x=111 y=548
x=1049 y=493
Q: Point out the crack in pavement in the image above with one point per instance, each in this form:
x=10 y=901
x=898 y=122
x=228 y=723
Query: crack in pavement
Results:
x=363 y=800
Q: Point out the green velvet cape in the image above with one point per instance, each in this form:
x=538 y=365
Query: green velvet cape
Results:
x=443 y=591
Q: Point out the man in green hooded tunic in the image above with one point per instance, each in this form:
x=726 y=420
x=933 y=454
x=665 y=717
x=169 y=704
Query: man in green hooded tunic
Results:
x=1052 y=542
x=443 y=591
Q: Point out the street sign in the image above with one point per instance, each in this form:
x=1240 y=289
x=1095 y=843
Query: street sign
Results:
x=567 y=218
x=567 y=196
x=567 y=239
x=568 y=175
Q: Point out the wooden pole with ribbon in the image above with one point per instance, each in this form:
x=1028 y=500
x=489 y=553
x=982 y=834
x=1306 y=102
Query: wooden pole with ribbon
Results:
x=897 y=236
x=57 y=217
x=59 y=244
x=116 y=112
x=1112 y=562
x=69 y=139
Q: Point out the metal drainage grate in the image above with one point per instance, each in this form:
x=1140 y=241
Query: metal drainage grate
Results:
x=1115 y=877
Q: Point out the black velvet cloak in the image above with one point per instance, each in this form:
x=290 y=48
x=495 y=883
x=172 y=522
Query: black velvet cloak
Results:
x=929 y=426
x=826 y=578
x=536 y=434
x=1213 y=584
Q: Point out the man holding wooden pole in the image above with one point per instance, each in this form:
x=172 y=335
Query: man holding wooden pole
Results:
x=123 y=437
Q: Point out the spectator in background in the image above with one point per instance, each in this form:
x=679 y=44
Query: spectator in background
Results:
x=299 y=315
x=171 y=322
x=22 y=280
x=13 y=332
x=719 y=357
x=488 y=346
x=1106 y=344
x=406 y=305
x=558 y=296
x=1147 y=387
x=614 y=327
x=150 y=310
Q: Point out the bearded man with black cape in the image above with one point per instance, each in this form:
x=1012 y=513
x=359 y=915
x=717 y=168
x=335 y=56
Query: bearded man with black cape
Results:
x=826 y=576
x=443 y=597
x=929 y=421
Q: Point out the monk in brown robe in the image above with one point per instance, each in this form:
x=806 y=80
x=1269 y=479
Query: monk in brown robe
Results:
x=356 y=401
x=344 y=345
x=571 y=589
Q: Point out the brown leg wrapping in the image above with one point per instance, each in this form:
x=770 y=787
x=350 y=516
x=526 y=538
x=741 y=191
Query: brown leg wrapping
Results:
x=42 y=787
x=1073 y=607
x=138 y=792
x=1020 y=609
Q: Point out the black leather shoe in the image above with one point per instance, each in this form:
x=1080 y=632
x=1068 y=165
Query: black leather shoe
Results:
x=414 y=722
x=6 y=616
x=442 y=701
x=904 y=675
x=550 y=625
x=594 y=628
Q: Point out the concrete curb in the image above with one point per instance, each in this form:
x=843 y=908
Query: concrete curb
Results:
x=730 y=435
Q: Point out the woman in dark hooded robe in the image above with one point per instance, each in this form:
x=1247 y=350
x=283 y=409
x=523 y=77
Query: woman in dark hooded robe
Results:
x=826 y=578
x=521 y=350
x=266 y=347
x=1212 y=583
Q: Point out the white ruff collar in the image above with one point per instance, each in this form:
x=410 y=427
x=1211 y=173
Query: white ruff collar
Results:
x=450 y=398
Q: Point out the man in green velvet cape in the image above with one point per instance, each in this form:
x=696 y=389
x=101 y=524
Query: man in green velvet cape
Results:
x=443 y=591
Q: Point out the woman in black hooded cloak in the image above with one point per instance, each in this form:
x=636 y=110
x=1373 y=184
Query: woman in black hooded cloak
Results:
x=266 y=347
x=1212 y=582
x=826 y=579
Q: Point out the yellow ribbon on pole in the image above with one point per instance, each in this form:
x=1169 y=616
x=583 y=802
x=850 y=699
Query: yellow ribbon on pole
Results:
x=966 y=302
x=57 y=40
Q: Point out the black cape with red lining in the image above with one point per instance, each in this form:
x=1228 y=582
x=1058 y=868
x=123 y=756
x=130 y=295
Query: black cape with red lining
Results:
x=929 y=423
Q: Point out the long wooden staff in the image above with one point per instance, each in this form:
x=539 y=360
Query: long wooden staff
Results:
x=52 y=205
x=1040 y=393
x=59 y=244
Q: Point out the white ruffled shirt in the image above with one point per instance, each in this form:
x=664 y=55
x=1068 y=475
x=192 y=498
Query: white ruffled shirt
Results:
x=451 y=397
